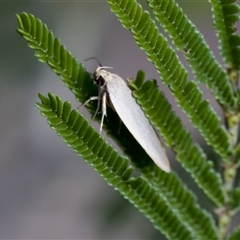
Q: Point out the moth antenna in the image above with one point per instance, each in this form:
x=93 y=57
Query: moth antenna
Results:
x=87 y=59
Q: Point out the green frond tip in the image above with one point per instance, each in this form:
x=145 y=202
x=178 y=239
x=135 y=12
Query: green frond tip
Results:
x=187 y=38
x=226 y=14
x=235 y=235
x=159 y=112
x=88 y=144
x=49 y=49
x=139 y=80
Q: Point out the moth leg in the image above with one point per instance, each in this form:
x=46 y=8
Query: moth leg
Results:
x=104 y=109
x=101 y=91
x=102 y=95
x=89 y=100
x=99 y=97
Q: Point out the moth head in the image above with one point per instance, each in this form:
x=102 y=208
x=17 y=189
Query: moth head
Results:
x=100 y=74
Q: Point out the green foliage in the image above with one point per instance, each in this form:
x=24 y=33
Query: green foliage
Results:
x=76 y=132
x=187 y=38
x=162 y=197
x=226 y=14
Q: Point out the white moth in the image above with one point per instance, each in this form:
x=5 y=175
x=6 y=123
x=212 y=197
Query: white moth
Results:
x=130 y=112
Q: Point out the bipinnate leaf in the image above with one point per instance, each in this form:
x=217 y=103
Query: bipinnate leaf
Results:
x=162 y=197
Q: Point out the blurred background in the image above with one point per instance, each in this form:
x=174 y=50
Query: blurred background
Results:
x=46 y=191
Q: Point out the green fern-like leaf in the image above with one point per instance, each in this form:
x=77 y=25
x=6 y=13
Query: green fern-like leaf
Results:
x=87 y=143
x=226 y=14
x=161 y=197
x=188 y=39
x=188 y=95
x=159 y=112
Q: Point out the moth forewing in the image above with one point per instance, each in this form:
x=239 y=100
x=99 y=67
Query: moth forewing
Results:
x=134 y=118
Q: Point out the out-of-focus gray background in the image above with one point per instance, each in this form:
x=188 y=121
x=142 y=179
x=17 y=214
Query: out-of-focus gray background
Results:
x=46 y=191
